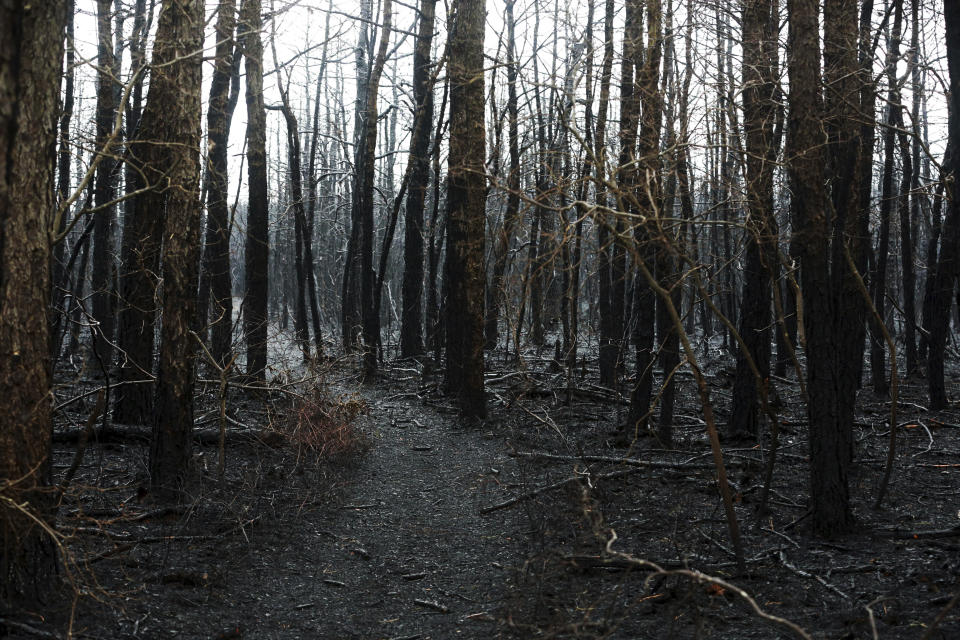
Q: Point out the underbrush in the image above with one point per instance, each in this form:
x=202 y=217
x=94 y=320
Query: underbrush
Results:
x=324 y=426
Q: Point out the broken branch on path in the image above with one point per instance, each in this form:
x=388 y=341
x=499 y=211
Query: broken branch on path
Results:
x=117 y=536
x=550 y=487
x=633 y=462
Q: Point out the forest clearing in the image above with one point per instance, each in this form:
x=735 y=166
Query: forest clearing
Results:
x=480 y=319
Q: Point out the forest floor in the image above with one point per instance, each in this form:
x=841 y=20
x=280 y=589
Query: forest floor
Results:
x=426 y=526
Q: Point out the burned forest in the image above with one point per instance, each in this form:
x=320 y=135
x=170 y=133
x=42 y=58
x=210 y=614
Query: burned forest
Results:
x=407 y=319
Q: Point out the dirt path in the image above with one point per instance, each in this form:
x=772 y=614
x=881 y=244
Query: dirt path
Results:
x=404 y=555
x=393 y=546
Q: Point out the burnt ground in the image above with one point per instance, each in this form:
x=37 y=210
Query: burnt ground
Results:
x=428 y=526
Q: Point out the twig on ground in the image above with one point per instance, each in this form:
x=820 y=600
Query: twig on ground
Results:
x=727 y=550
x=699 y=577
x=547 y=420
x=920 y=533
x=870 y=615
x=929 y=437
x=812 y=576
x=550 y=487
x=430 y=604
x=129 y=537
x=940 y=616
x=633 y=462
x=84 y=438
x=30 y=630
x=782 y=535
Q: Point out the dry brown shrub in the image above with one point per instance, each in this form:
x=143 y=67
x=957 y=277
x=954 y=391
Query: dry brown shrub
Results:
x=325 y=425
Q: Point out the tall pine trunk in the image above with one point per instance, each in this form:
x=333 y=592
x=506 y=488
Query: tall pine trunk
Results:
x=104 y=195
x=829 y=485
x=511 y=217
x=411 y=328
x=467 y=197
x=947 y=264
x=181 y=24
x=759 y=108
x=217 y=258
x=31 y=49
x=257 y=246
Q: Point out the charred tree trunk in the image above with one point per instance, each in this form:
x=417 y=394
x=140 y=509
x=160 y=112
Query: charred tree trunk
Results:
x=181 y=23
x=917 y=196
x=671 y=244
x=628 y=181
x=257 y=246
x=31 y=50
x=933 y=243
x=104 y=195
x=843 y=88
x=573 y=284
x=226 y=72
x=648 y=234
x=351 y=306
x=947 y=265
x=497 y=294
x=365 y=186
x=437 y=234
x=829 y=490
x=868 y=133
x=467 y=210
x=59 y=275
x=142 y=230
x=609 y=338
x=135 y=310
x=881 y=386
x=411 y=328
x=906 y=248
x=759 y=109
x=312 y=196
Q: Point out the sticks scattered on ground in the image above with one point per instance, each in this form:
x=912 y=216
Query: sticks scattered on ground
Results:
x=701 y=578
x=806 y=574
x=550 y=487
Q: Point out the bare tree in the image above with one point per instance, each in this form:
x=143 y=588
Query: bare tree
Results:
x=108 y=72
x=226 y=72
x=411 y=330
x=947 y=263
x=467 y=210
x=759 y=107
x=257 y=246
x=829 y=490
x=180 y=27
x=31 y=50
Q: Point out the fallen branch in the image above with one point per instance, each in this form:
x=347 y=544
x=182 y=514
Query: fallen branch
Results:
x=811 y=576
x=940 y=616
x=699 y=577
x=430 y=604
x=82 y=440
x=633 y=462
x=550 y=487
x=23 y=627
x=117 y=536
x=131 y=433
x=913 y=535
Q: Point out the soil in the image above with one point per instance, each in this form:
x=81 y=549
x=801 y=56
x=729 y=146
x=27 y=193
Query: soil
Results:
x=527 y=525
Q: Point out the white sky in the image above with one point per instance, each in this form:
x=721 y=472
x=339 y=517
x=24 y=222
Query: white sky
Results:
x=300 y=26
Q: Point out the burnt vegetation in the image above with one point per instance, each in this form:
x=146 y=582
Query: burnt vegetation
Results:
x=487 y=318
